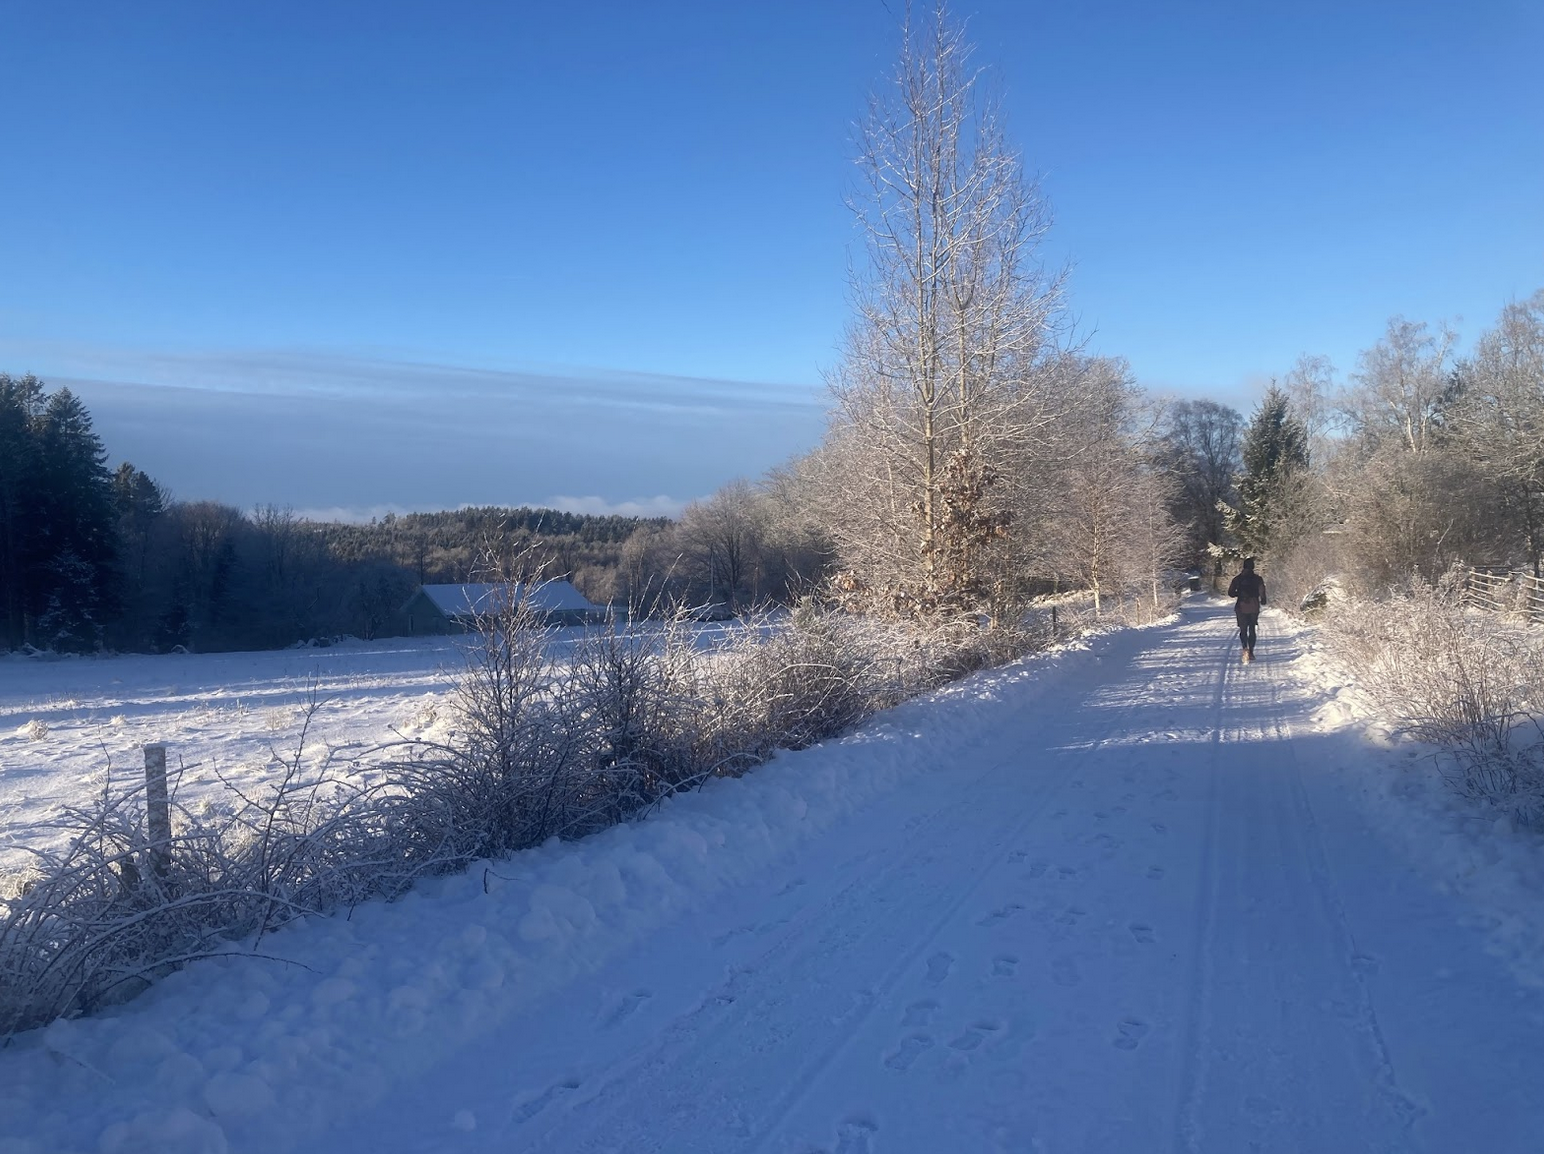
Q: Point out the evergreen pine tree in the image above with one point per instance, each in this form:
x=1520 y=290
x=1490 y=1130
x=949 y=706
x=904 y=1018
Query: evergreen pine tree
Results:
x=22 y=402
x=74 y=549
x=1269 y=513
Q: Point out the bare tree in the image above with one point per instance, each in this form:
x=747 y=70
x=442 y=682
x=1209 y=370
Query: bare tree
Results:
x=1203 y=454
x=720 y=540
x=1498 y=420
x=1400 y=385
x=646 y=568
x=952 y=313
x=1105 y=525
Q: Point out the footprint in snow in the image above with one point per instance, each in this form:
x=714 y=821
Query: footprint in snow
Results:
x=790 y=887
x=1154 y=873
x=1036 y=870
x=1067 y=871
x=856 y=1136
x=1143 y=934
x=728 y=936
x=1071 y=915
x=1004 y=966
x=938 y=967
x=974 y=1035
x=1159 y=827
x=1165 y=795
x=534 y=1106
x=1129 y=1034
x=906 y=1054
x=1001 y=914
x=1016 y=856
x=628 y=1006
x=920 y=1013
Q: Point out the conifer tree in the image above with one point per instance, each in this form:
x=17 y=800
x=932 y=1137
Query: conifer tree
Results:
x=21 y=407
x=78 y=553
x=1270 y=513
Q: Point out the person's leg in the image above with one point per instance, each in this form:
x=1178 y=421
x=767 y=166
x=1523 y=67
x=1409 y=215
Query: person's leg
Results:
x=1243 y=630
x=1249 y=632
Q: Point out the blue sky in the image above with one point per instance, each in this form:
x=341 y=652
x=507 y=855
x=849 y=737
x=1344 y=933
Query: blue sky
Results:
x=397 y=255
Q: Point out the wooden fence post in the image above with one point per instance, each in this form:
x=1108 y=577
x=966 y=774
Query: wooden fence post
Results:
x=158 y=816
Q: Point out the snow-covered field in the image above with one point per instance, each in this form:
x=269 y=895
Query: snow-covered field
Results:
x=1125 y=896
x=68 y=726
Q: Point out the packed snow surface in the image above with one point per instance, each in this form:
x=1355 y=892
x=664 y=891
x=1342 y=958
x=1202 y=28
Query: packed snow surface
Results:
x=1128 y=896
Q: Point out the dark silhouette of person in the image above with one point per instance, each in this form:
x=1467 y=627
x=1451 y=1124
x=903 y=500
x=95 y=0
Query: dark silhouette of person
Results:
x=1249 y=590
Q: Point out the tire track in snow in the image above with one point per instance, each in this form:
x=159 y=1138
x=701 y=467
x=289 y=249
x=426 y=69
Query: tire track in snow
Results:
x=1203 y=938
x=681 y=1071
x=1405 y=1107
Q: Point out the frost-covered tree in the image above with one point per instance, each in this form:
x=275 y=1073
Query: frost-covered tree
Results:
x=953 y=312
x=1400 y=386
x=1104 y=524
x=721 y=541
x=1497 y=419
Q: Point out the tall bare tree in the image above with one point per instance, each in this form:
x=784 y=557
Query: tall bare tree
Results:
x=1104 y=524
x=1203 y=454
x=952 y=312
x=1498 y=419
x=1400 y=385
x=720 y=539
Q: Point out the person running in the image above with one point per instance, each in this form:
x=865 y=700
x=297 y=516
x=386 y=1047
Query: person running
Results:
x=1249 y=590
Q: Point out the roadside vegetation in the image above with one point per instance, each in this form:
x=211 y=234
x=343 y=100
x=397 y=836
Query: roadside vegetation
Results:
x=542 y=749
x=1383 y=504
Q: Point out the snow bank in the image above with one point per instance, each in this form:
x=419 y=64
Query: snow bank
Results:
x=1460 y=843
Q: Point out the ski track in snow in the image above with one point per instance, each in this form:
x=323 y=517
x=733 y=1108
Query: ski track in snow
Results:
x=1124 y=898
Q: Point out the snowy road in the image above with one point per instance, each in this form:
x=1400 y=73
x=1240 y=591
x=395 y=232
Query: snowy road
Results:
x=1137 y=911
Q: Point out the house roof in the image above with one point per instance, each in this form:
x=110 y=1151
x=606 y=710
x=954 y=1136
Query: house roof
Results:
x=470 y=600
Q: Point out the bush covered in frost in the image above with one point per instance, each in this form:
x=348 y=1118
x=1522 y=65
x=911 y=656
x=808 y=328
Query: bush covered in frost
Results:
x=543 y=748
x=1467 y=681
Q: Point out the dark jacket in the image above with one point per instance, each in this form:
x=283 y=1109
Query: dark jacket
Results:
x=1247 y=586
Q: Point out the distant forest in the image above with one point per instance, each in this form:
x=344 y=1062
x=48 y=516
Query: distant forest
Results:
x=1072 y=478
x=93 y=558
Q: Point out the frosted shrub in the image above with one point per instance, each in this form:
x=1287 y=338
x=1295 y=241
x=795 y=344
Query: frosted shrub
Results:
x=97 y=920
x=1464 y=680
x=542 y=748
x=34 y=730
x=790 y=685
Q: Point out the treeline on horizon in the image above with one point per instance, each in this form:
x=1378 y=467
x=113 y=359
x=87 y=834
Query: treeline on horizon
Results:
x=1418 y=460
x=99 y=559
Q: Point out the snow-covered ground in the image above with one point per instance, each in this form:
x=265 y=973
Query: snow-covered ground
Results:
x=68 y=726
x=1128 y=896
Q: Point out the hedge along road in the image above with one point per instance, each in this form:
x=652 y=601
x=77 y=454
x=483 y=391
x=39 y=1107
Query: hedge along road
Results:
x=1144 y=914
